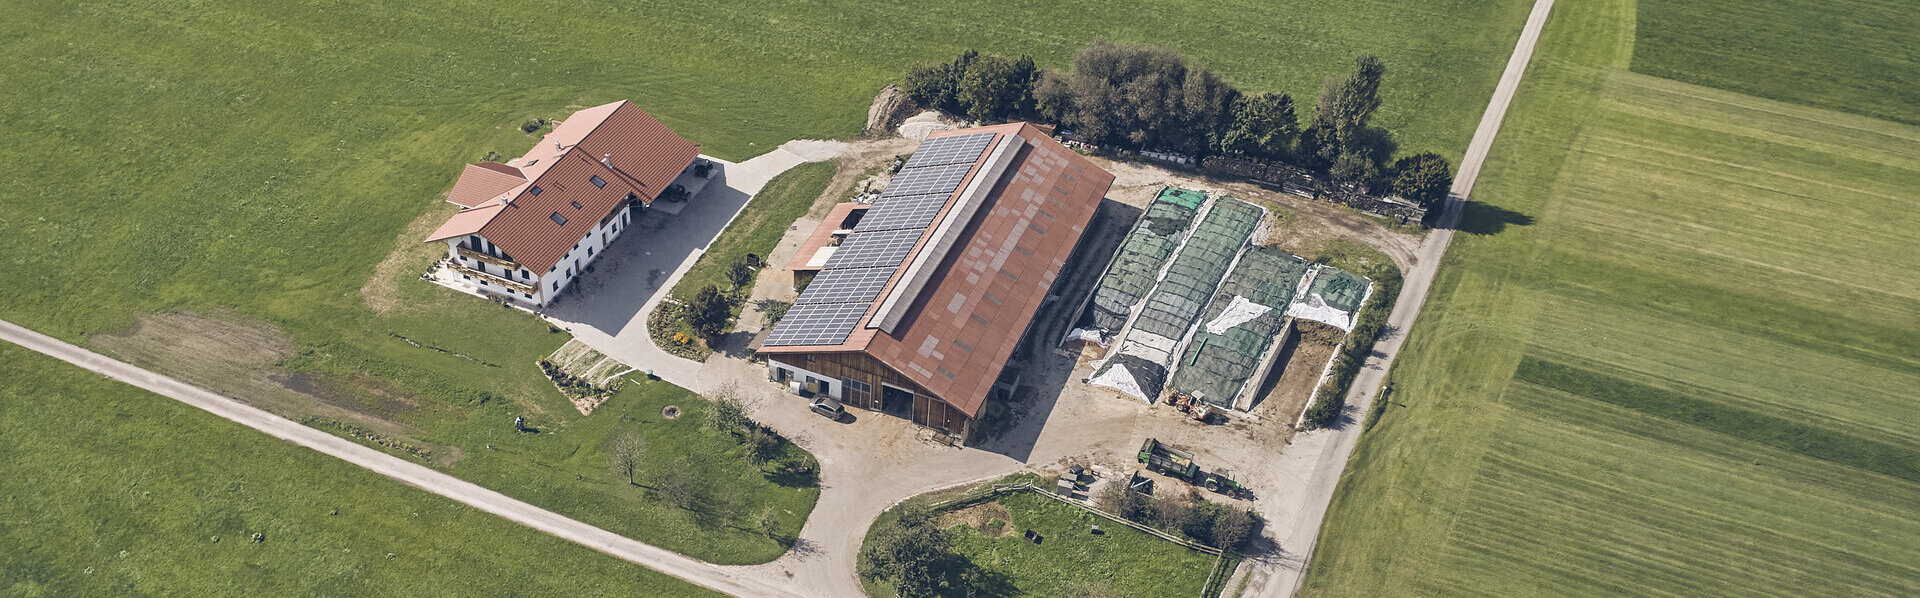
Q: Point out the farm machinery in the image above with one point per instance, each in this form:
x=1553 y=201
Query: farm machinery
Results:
x=1177 y=463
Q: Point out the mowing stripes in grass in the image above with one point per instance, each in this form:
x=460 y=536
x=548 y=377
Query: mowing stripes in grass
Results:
x=1812 y=441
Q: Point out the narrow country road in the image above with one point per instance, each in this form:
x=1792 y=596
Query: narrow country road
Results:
x=736 y=581
x=1330 y=449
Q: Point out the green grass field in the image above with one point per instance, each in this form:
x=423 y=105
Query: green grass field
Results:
x=1069 y=561
x=277 y=163
x=111 y=490
x=1851 y=55
x=1678 y=356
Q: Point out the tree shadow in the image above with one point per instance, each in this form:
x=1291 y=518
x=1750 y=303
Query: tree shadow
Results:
x=961 y=578
x=1481 y=218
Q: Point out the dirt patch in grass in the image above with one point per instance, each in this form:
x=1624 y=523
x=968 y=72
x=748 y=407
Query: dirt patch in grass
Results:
x=381 y=292
x=992 y=519
x=1308 y=347
x=236 y=356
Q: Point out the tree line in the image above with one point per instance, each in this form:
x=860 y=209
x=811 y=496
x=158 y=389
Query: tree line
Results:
x=1151 y=98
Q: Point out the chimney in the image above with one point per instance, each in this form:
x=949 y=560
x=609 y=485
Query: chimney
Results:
x=557 y=146
x=607 y=159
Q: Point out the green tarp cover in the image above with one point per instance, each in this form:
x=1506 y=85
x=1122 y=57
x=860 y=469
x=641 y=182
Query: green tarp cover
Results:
x=1217 y=366
x=1197 y=269
x=1137 y=263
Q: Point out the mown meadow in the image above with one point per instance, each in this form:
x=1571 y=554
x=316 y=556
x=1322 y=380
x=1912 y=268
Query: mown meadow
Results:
x=273 y=165
x=1673 y=353
x=112 y=490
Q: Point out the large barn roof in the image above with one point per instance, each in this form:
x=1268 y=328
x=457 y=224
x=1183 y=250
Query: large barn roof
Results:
x=958 y=279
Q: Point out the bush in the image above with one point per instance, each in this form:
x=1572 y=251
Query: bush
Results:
x=1424 y=177
x=709 y=311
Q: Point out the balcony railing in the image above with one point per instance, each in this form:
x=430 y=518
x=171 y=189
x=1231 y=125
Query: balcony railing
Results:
x=497 y=261
x=509 y=283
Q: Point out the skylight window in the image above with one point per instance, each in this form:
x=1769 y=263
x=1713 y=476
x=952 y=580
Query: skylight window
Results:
x=534 y=190
x=576 y=205
x=557 y=219
x=598 y=182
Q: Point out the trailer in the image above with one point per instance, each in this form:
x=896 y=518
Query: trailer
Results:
x=1167 y=460
x=1172 y=462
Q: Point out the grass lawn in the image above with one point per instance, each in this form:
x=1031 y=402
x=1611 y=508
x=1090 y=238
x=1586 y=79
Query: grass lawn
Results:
x=111 y=490
x=1676 y=355
x=759 y=226
x=1851 y=55
x=277 y=163
x=1069 y=561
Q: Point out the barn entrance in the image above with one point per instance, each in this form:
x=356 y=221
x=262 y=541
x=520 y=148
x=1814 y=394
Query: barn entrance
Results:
x=896 y=401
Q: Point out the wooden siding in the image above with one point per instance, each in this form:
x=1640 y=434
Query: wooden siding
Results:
x=927 y=410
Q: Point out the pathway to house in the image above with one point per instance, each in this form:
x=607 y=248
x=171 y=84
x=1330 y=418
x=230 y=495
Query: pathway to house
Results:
x=1314 y=462
x=609 y=311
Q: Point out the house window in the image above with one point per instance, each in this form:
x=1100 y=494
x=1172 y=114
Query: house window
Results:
x=527 y=295
x=474 y=243
x=556 y=285
x=589 y=252
x=598 y=182
x=558 y=219
x=576 y=205
x=534 y=190
x=525 y=275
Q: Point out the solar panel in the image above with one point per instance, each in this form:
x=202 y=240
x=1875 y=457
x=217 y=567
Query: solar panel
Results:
x=874 y=249
x=950 y=150
x=923 y=181
x=906 y=211
x=816 y=324
x=855 y=285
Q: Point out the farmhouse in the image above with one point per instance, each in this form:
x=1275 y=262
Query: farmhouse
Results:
x=924 y=296
x=529 y=227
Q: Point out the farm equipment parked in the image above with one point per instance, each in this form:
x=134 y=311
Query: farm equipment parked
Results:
x=1177 y=463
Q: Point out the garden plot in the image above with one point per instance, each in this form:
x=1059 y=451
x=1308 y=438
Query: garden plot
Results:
x=1234 y=342
x=1152 y=336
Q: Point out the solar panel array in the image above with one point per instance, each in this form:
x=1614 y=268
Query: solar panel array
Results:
x=907 y=211
x=874 y=249
x=931 y=179
x=950 y=150
x=817 y=324
x=852 y=285
x=827 y=312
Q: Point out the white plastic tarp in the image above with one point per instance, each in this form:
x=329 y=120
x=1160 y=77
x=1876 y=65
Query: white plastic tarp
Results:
x=1121 y=379
x=1238 y=312
x=1091 y=336
x=1315 y=308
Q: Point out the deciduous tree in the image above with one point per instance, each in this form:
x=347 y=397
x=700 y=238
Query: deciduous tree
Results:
x=1424 y=177
x=907 y=552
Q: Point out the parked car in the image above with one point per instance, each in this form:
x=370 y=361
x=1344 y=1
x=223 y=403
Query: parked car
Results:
x=827 y=407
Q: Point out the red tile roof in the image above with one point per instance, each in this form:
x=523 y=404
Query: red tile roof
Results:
x=618 y=142
x=961 y=329
x=484 y=182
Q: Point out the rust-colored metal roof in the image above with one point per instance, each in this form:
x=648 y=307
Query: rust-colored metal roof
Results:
x=803 y=259
x=630 y=151
x=960 y=330
x=483 y=182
